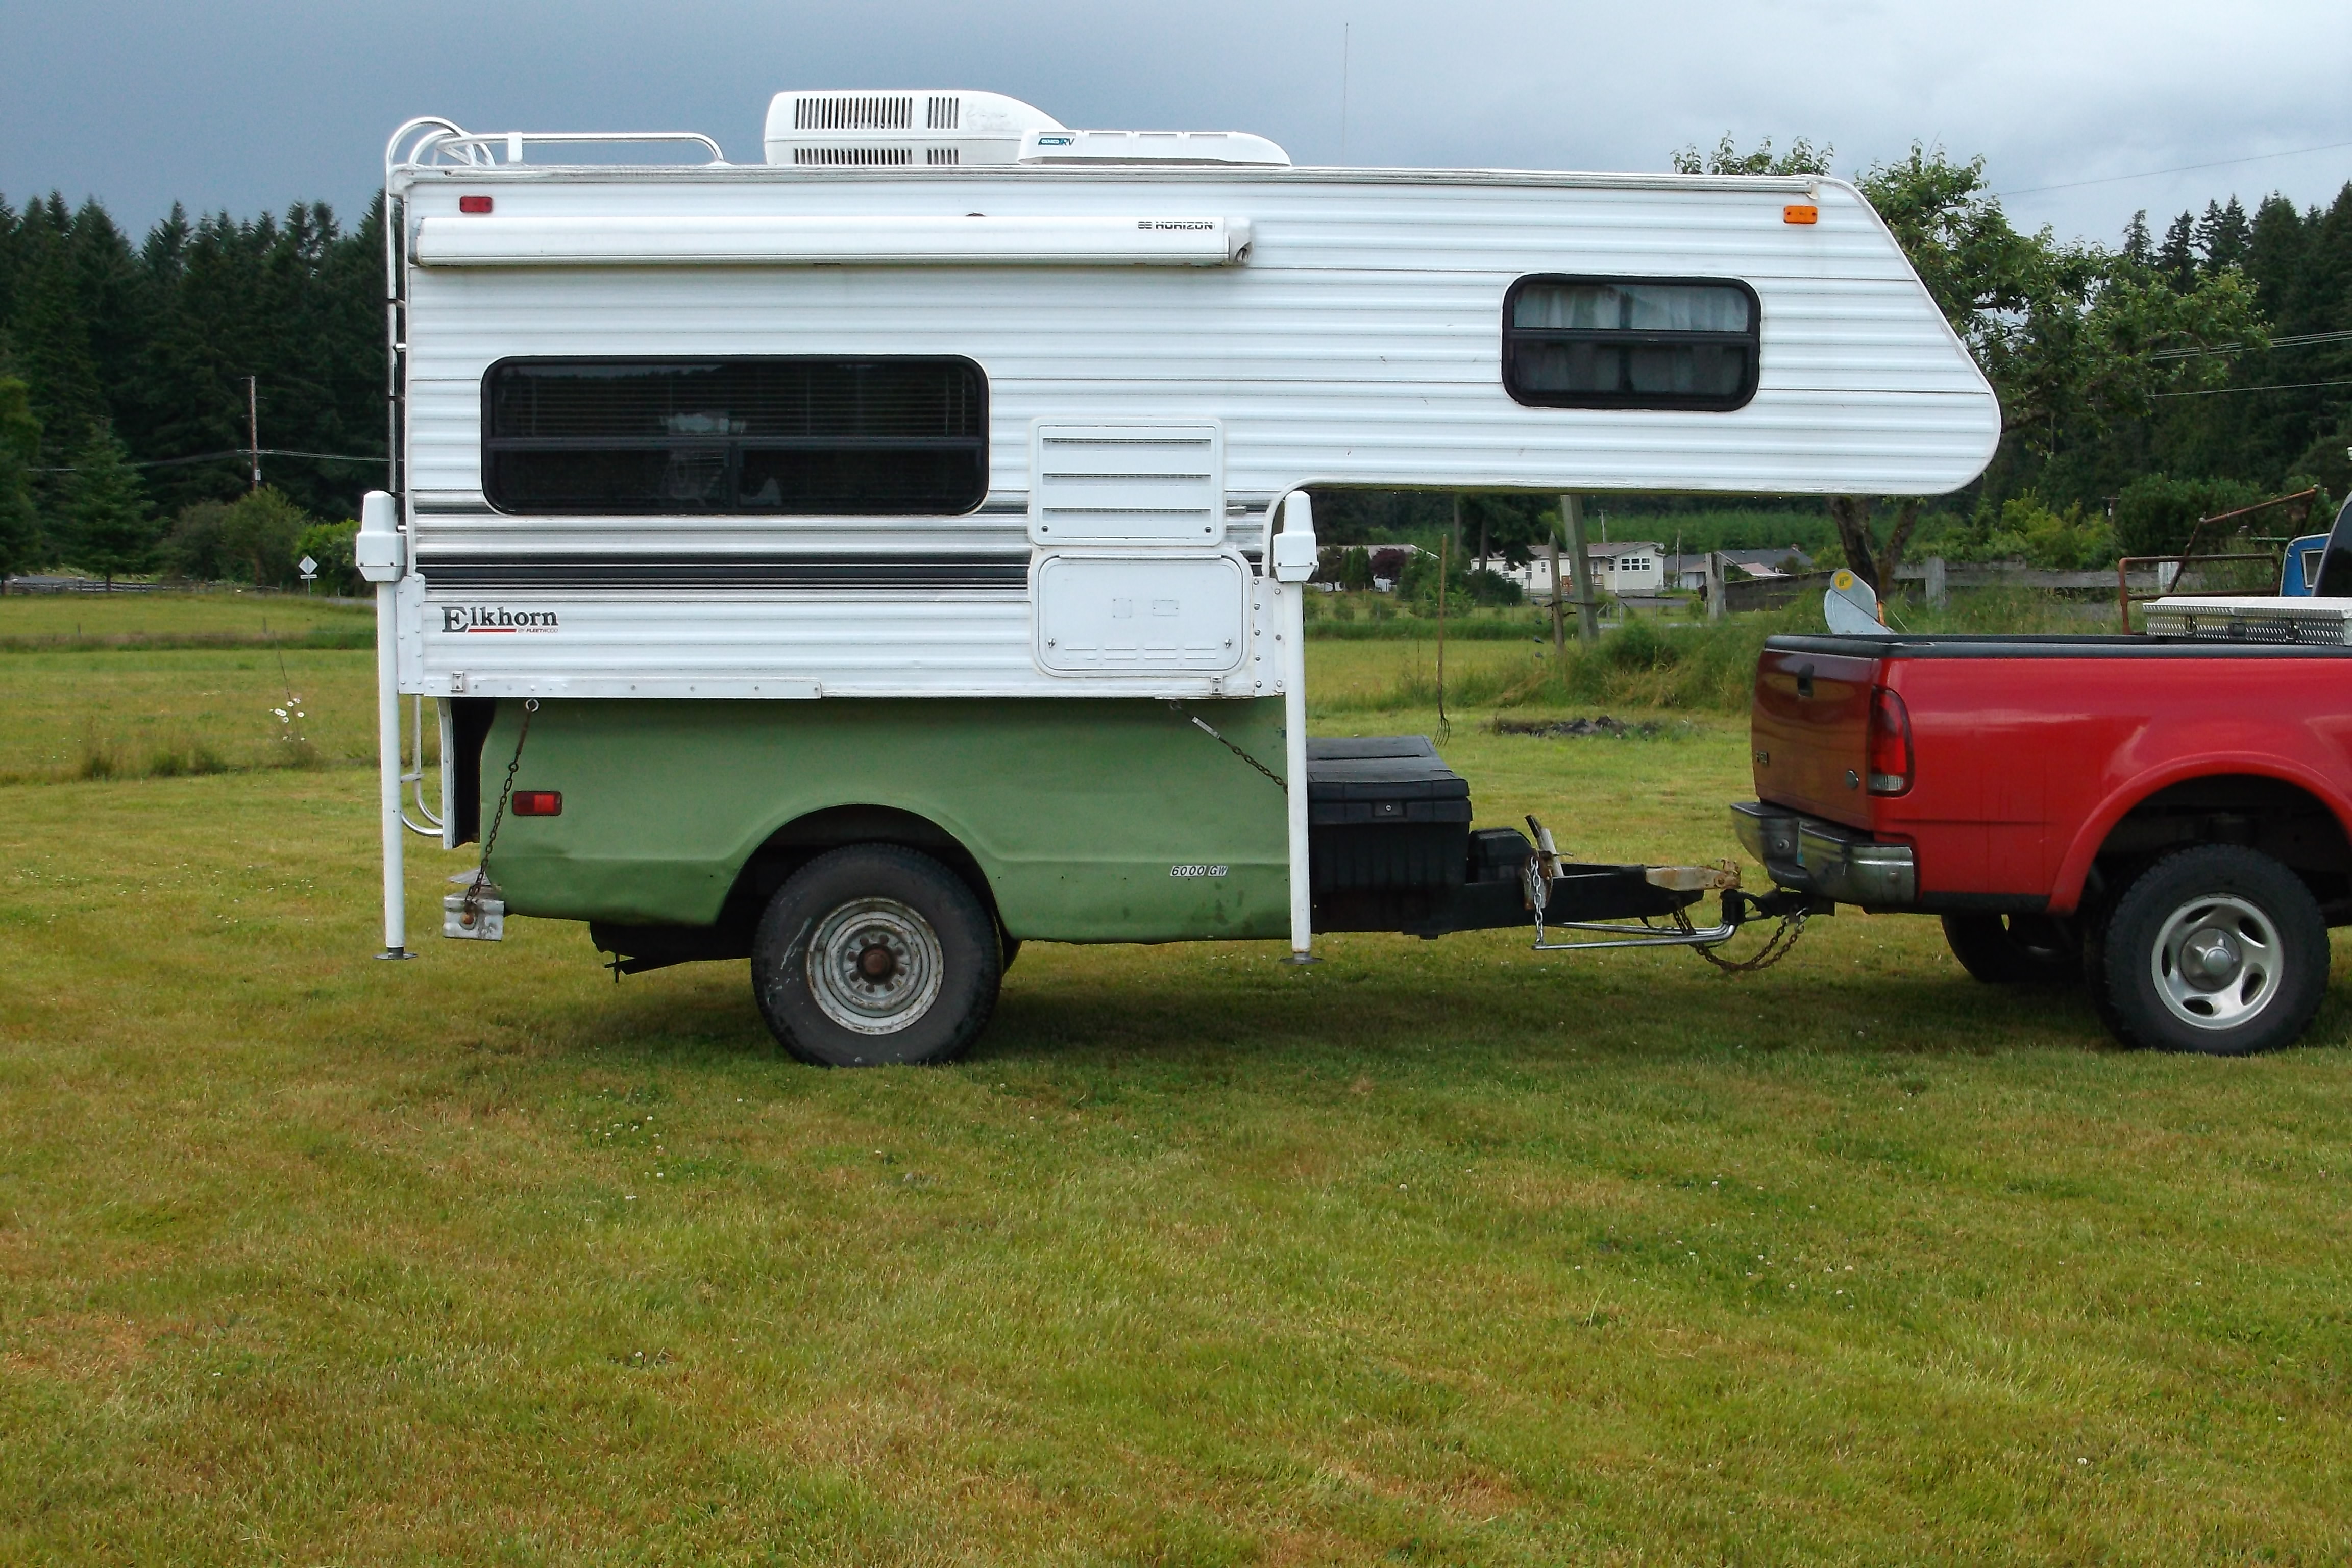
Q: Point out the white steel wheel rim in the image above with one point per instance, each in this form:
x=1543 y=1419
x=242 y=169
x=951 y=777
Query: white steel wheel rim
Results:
x=2218 y=961
x=875 y=966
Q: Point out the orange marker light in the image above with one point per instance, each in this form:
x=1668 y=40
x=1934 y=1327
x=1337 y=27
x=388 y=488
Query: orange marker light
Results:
x=1803 y=213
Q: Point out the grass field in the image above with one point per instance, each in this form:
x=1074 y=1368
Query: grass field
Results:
x=1440 y=1252
x=230 y=617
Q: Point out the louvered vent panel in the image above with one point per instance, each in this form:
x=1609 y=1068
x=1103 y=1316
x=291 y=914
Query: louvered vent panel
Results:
x=939 y=156
x=852 y=157
x=2258 y=621
x=853 y=113
x=943 y=114
x=1127 y=484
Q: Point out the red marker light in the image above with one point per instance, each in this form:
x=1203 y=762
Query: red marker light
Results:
x=473 y=203
x=538 y=803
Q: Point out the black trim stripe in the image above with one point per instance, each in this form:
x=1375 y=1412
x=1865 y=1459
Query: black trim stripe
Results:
x=480 y=573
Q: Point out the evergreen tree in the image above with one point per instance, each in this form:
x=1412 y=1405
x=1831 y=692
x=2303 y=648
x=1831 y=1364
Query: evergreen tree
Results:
x=108 y=528
x=2221 y=236
x=20 y=447
x=2177 y=257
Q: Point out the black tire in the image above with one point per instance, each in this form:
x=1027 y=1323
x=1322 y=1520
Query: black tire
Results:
x=2215 y=950
x=874 y=954
x=2013 y=949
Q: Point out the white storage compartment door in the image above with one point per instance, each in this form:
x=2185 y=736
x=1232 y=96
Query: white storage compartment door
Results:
x=1127 y=484
x=1138 y=612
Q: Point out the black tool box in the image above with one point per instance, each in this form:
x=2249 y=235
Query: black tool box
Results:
x=1390 y=849
x=1384 y=812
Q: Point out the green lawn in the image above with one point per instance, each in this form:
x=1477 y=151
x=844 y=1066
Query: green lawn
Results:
x=237 y=616
x=1441 y=1252
x=132 y=711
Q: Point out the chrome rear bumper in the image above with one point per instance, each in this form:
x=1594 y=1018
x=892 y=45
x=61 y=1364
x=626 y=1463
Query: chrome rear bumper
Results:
x=1839 y=863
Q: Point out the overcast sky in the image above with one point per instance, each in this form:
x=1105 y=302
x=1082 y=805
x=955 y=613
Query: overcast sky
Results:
x=247 y=104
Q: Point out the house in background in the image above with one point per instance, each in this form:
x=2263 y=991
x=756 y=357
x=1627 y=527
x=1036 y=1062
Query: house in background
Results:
x=1633 y=566
x=1637 y=567
x=1689 y=571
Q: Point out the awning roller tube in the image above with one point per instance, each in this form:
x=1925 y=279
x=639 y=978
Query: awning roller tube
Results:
x=534 y=240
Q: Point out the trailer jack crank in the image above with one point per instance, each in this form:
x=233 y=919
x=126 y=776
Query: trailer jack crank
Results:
x=1545 y=870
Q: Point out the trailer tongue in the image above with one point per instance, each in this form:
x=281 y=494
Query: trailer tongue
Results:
x=1392 y=850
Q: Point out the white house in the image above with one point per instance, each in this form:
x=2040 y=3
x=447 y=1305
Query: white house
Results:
x=1635 y=566
x=1632 y=566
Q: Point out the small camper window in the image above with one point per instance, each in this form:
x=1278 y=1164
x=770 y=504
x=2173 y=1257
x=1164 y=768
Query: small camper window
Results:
x=803 y=437
x=1630 y=342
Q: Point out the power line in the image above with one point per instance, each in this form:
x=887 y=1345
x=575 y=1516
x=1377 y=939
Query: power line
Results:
x=2183 y=168
x=2226 y=391
x=2300 y=340
x=237 y=452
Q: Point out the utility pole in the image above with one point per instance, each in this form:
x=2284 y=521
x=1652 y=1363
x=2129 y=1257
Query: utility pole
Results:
x=1559 y=635
x=1588 y=609
x=253 y=426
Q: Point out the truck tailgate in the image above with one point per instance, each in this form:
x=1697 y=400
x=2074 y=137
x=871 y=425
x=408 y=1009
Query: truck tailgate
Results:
x=1811 y=733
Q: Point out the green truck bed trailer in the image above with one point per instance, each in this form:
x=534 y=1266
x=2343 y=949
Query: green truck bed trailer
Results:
x=1080 y=820
x=880 y=862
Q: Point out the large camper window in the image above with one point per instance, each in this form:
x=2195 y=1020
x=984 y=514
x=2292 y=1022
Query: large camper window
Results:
x=1630 y=342
x=810 y=437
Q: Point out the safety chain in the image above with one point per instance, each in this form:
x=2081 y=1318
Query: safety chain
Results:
x=473 y=905
x=1771 y=953
x=1203 y=725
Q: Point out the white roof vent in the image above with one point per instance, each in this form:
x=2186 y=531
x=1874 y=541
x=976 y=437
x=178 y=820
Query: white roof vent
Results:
x=1057 y=145
x=907 y=129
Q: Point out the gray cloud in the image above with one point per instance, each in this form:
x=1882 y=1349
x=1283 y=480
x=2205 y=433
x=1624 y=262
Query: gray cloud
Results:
x=251 y=105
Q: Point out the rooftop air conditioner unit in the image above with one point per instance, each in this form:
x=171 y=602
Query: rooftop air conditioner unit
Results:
x=905 y=128
x=1147 y=147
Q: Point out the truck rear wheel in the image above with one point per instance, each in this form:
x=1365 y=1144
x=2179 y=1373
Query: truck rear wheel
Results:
x=874 y=954
x=2215 y=950
x=2013 y=949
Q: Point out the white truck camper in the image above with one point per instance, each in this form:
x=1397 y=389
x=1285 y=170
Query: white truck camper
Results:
x=868 y=560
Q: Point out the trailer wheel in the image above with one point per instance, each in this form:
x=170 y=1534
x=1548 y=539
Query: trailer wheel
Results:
x=2012 y=950
x=874 y=954
x=2215 y=949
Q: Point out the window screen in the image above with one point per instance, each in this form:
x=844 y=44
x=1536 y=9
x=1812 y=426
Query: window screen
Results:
x=810 y=437
x=1630 y=342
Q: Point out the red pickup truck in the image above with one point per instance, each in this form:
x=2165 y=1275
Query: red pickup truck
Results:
x=2164 y=819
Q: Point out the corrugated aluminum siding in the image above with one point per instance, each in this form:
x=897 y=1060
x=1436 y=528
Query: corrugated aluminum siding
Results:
x=1359 y=343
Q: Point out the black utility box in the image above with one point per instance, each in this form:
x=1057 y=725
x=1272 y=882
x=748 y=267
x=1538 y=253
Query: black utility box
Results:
x=1384 y=813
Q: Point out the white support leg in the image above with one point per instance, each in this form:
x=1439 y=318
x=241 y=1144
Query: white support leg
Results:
x=387 y=719
x=381 y=555
x=1294 y=563
x=1293 y=733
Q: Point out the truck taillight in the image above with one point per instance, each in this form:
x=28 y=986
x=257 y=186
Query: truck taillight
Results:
x=1890 y=742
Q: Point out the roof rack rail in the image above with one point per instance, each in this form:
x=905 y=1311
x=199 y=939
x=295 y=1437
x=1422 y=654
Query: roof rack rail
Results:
x=444 y=143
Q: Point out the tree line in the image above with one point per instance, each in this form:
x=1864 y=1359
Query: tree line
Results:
x=2141 y=384
x=121 y=362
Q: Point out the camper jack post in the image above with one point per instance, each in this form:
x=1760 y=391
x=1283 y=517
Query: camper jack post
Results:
x=380 y=559
x=1294 y=563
